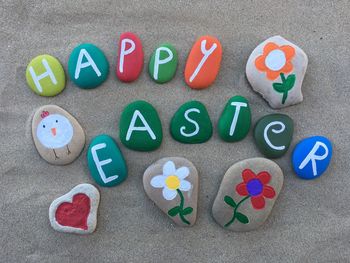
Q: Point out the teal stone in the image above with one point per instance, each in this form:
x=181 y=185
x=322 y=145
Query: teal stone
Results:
x=163 y=63
x=140 y=128
x=273 y=134
x=235 y=120
x=88 y=67
x=191 y=123
x=106 y=162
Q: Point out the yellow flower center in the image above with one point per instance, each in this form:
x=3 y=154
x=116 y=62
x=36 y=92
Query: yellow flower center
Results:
x=172 y=182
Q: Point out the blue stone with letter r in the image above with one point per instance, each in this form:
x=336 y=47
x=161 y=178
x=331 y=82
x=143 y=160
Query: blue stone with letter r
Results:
x=311 y=157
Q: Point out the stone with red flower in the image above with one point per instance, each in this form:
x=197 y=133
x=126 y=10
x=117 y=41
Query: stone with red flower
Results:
x=247 y=194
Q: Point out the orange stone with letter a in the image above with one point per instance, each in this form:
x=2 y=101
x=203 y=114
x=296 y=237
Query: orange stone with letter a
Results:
x=203 y=62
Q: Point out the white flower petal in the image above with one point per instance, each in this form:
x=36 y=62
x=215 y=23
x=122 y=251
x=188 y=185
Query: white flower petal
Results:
x=169 y=194
x=169 y=168
x=182 y=172
x=185 y=185
x=158 y=181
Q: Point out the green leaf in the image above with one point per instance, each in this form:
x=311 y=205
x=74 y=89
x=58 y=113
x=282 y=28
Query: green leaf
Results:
x=174 y=211
x=186 y=211
x=290 y=81
x=242 y=218
x=279 y=87
x=228 y=200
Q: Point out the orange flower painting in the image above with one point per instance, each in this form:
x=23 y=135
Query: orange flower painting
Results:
x=276 y=61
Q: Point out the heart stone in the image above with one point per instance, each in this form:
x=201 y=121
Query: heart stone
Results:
x=172 y=184
x=76 y=211
x=57 y=135
x=247 y=194
x=276 y=70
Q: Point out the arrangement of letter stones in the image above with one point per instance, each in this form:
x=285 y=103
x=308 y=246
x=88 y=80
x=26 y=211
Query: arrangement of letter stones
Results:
x=249 y=188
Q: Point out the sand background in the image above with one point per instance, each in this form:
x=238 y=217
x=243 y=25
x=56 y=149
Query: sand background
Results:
x=311 y=219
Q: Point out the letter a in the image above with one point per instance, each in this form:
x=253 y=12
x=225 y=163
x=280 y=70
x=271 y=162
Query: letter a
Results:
x=90 y=63
x=145 y=126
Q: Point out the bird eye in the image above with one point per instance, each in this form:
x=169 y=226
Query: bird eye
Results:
x=56 y=121
x=43 y=126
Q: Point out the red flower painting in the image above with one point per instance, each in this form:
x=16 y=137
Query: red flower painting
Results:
x=256 y=187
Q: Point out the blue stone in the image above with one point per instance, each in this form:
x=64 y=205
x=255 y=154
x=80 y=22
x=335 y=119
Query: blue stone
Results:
x=311 y=157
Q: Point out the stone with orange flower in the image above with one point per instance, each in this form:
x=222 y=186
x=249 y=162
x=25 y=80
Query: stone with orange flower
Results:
x=172 y=184
x=247 y=194
x=276 y=69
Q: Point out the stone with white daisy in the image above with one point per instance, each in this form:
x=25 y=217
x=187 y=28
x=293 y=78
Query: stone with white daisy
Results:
x=172 y=184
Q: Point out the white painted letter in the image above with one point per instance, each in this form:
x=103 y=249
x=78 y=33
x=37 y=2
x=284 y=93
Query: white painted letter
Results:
x=158 y=61
x=266 y=138
x=235 y=117
x=132 y=127
x=191 y=121
x=124 y=52
x=81 y=65
x=47 y=73
x=313 y=157
x=100 y=163
x=206 y=53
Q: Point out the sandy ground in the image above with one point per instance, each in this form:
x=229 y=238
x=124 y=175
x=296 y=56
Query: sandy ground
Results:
x=311 y=219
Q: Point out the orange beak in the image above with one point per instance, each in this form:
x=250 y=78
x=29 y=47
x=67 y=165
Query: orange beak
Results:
x=53 y=131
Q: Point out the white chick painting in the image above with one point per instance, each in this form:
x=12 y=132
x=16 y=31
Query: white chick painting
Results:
x=55 y=131
x=57 y=135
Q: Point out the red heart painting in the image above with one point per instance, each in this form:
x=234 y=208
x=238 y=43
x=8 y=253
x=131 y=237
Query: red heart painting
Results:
x=74 y=214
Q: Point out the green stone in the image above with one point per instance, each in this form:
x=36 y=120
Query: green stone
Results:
x=163 y=63
x=140 y=128
x=235 y=120
x=191 y=123
x=45 y=76
x=273 y=134
x=88 y=67
x=106 y=162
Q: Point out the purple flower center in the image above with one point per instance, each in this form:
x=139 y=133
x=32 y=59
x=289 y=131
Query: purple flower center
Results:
x=254 y=187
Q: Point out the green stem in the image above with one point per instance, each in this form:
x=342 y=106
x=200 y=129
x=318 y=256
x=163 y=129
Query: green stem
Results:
x=182 y=201
x=285 y=93
x=235 y=210
x=283 y=77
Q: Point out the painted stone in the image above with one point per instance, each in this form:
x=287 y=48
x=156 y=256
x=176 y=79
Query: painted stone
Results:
x=130 y=57
x=106 y=162
x=172 y=184
x=76 y=211
x=45 y=76
x=57 y=135
x=273 y=134
x=191 y=123
x=311 y=157
x=140 y=128
x=235 y=120
x=203 y=62
x=276 y=70
x=88 y=67
x=247 y=194
x=163 y=63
